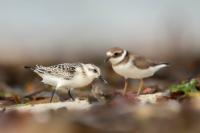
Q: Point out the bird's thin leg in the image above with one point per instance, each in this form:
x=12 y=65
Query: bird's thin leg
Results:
x=125 y=86
x=53 y=92
x=140 y=86
x=70 y=95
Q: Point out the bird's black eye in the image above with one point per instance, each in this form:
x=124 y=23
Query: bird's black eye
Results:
x=94 y=70
x=116 y=54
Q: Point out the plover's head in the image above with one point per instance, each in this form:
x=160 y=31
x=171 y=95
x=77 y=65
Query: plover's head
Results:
x=115 y=55
x=93 y=72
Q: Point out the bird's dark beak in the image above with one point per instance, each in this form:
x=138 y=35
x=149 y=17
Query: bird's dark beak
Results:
x=107 y=59
x=102 y=79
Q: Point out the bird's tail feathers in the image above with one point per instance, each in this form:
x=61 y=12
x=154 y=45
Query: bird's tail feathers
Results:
x=166 y=64
x=162 y=65
x=36 y=68
x=30 y=67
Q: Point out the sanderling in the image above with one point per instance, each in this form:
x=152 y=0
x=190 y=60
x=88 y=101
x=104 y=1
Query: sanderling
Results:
x=132 y=66
x=67 y=75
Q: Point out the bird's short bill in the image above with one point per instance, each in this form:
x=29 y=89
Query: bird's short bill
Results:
x=102 y=79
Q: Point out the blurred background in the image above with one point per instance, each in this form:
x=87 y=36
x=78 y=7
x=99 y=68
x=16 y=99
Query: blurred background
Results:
x=68 y=31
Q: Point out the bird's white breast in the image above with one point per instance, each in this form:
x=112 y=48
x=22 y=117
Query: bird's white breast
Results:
x=128 y=70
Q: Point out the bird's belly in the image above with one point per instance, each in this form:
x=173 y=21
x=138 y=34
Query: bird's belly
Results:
x=130 y=71
x=77 y=82
x=50 y=80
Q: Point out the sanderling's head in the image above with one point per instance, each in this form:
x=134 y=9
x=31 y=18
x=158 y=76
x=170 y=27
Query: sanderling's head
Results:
x=94 y=72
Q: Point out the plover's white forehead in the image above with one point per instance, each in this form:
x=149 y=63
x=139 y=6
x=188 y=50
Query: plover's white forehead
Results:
x=109 y=53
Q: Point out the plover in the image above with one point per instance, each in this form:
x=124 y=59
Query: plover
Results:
x=67 y=75
x=132 y=66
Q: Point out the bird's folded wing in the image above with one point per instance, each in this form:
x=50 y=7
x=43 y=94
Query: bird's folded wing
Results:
x=61 y=70
x=143 y=63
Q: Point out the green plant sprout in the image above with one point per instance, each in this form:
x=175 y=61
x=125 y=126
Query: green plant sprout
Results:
x=185 y=87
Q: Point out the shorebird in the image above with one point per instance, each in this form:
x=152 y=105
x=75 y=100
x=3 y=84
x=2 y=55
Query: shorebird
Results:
x=132 y=66
x=102 y=91
x=67 y=75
